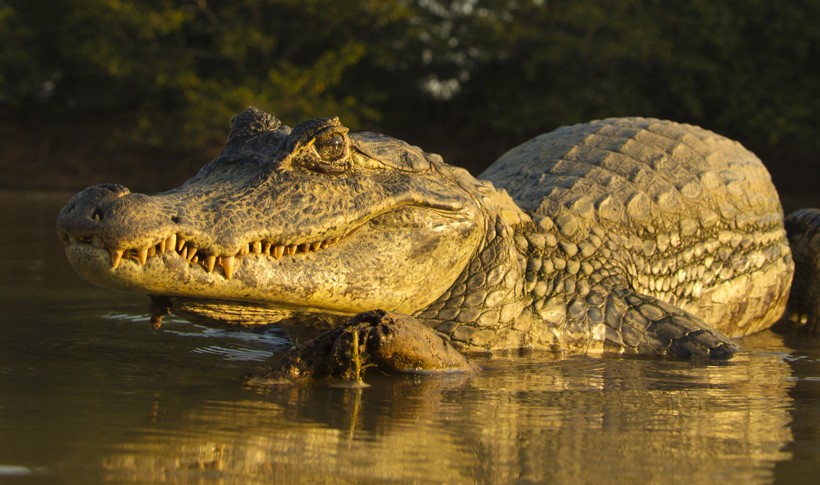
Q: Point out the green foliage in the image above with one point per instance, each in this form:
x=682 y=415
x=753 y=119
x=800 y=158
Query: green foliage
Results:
x=467 y=68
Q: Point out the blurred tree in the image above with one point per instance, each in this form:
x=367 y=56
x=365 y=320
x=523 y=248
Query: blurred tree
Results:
x=185 y=67
x=468 y=78
x=505 y=70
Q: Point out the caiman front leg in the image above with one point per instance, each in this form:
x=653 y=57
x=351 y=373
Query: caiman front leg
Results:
x=388 y=341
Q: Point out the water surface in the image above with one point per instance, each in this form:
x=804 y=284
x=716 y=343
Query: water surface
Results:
x=89 y=393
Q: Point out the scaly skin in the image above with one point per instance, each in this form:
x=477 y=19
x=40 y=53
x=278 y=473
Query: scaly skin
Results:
x=624 y=235
x=803 y=227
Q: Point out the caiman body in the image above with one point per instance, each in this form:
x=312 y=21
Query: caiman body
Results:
x=624 y=235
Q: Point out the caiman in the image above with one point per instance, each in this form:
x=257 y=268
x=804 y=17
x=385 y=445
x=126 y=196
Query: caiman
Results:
x=625 y=235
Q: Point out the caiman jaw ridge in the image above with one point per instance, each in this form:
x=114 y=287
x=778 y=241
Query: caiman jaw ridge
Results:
x=199 y=256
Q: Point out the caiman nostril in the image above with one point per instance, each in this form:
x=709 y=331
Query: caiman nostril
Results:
x=117 y=189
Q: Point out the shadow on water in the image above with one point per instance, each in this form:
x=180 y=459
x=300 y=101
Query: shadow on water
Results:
x=89 y=393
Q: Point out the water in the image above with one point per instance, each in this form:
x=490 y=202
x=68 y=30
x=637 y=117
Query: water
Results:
x=89 y=393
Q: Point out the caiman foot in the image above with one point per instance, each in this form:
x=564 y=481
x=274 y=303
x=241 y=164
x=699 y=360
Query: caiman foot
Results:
x=378 y=339
x=641 y=324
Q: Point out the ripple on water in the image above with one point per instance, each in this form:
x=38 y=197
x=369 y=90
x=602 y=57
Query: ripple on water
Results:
x=231 y=344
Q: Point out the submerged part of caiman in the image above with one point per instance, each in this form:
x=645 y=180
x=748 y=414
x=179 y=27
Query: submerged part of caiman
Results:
x=623 y=235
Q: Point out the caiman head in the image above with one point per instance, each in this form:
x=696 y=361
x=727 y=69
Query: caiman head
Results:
x=313 y=220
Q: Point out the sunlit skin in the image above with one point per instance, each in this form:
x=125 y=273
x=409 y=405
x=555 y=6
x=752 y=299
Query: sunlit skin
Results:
x=626 y=235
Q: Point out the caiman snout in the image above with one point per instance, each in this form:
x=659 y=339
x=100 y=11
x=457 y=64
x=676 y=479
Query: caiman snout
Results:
x=92 y=202
x=107 y=213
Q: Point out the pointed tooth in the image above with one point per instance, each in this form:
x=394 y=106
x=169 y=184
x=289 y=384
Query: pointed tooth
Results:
x=180 y=244
x=184 y=253
x=227 y=266
x=152 y=251
x=244 y=250
x=256 y=248
x=315 y=246
x=161 y=246
x=191 y=253
x=116 y=257
x=278 y=251
x=142 y=255
x=195 y=259
x=210 y=261
x=266 y=248
x=171 y=243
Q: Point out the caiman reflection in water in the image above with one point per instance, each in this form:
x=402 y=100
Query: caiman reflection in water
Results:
x=534 y=419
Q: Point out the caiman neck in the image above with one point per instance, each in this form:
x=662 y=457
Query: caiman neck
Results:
x=484 y=308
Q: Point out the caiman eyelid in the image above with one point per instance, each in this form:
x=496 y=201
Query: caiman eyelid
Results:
x=363 y=161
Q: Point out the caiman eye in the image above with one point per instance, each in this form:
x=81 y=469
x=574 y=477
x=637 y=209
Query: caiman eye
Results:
x=320 y=145
x=331 y=148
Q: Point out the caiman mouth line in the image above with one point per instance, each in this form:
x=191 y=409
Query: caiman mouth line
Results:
x=198 y=256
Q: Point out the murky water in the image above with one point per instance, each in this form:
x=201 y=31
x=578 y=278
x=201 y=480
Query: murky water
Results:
x=89 y=393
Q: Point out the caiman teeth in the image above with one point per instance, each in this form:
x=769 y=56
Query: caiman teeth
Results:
x=116 y=257
x=278 y=251
x=227 y=266
x=194 y=255
x=171 y=242
x=210 y=261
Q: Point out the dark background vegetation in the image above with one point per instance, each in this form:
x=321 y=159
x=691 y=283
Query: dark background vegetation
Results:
x=140 y=92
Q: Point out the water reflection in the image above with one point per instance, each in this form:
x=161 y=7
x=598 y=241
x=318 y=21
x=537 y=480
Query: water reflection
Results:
x=572 y=420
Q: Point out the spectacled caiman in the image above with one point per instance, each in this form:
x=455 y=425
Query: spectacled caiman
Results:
x=625 y=235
